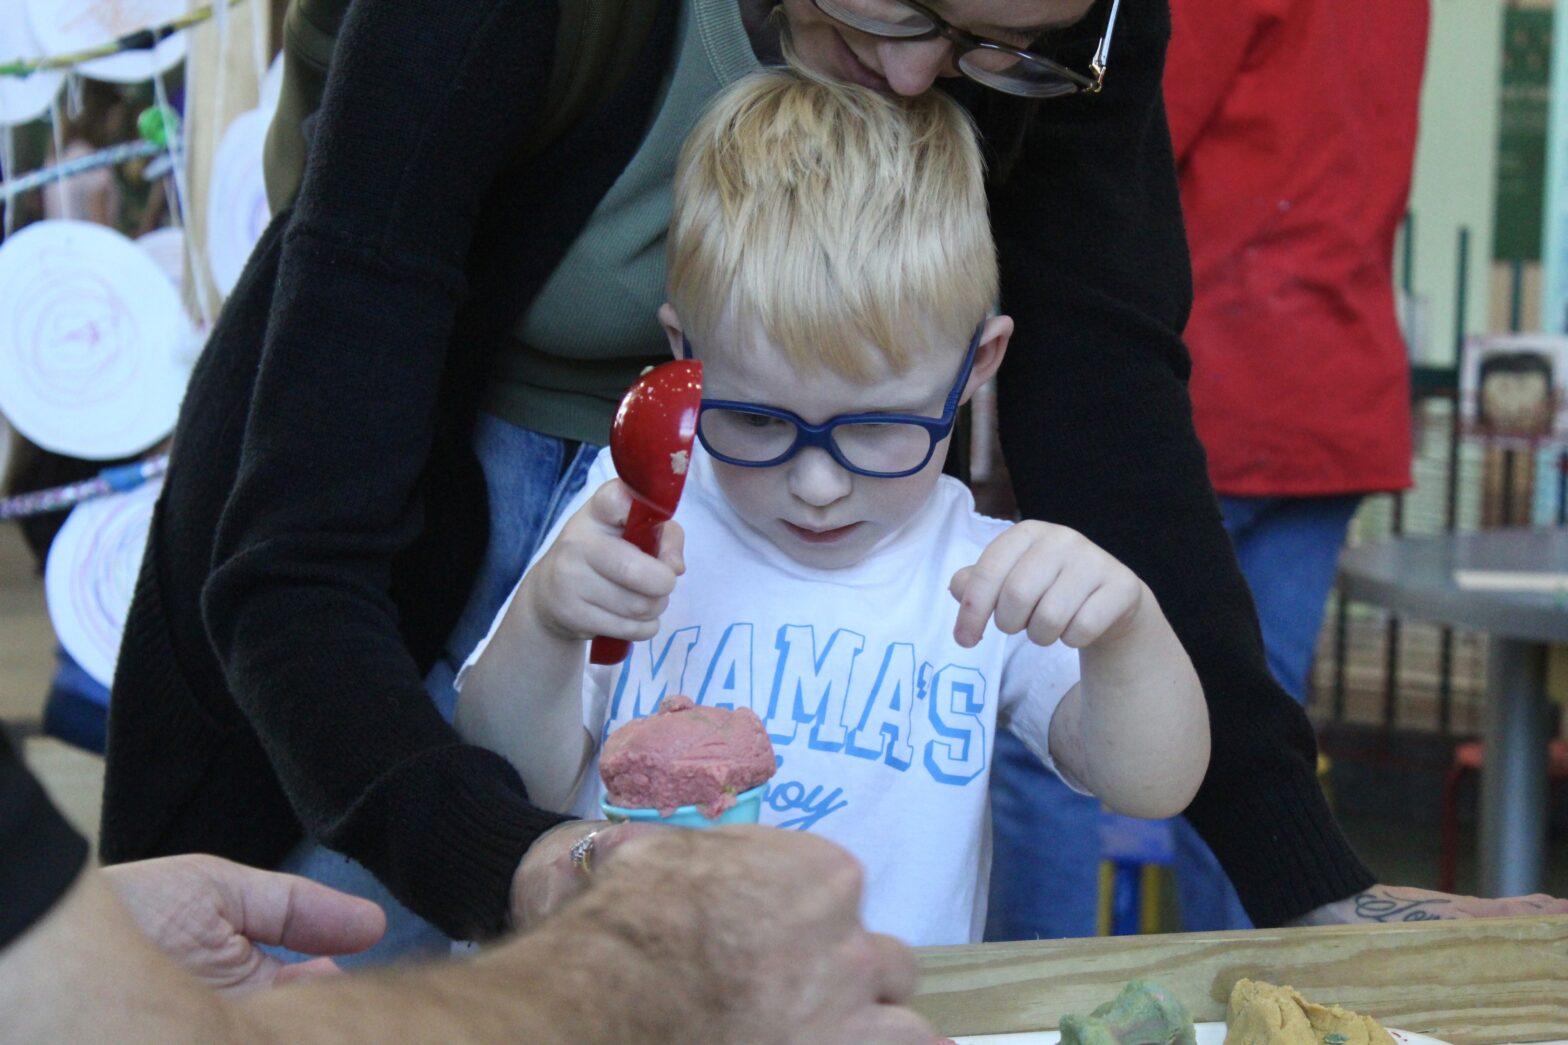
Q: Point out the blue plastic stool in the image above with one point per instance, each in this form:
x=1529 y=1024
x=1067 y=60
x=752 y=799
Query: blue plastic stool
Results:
x=1130 y=845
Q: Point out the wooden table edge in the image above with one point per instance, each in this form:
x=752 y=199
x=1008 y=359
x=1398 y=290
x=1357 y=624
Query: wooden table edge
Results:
x=1472 y=982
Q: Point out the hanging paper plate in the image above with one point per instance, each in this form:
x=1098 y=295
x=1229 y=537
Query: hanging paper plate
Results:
x=66 y=26
x=91 y=574
x=23 y=98
x=89 y=331
x=237 y=211
x=166 y=247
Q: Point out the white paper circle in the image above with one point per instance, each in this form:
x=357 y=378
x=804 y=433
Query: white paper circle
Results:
x=89 y=328
x=166 y=247
x=91 y=574
x=64 y=26
x=237 y=211
x=23 y=98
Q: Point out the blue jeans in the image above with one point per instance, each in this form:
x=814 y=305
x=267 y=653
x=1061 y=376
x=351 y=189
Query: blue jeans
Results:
x=1045 y=851
x=1288 y=548
x=529 y=477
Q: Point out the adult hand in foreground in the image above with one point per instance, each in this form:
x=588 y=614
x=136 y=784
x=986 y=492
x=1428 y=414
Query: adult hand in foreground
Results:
x=743 y=934
x=208 y=914
x=732 y=935
x=1398 y=903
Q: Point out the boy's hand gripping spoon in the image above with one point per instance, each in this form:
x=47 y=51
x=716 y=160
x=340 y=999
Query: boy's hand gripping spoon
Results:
x=650 y=443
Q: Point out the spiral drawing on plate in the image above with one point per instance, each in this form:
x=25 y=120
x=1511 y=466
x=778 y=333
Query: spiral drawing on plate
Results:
x=89 y=325
x=73 y=328
x=91 y=574
x=64 y=26
x=237 y=211
x=23 y=98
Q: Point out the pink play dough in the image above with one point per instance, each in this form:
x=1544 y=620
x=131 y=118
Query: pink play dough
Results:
x=684 y=754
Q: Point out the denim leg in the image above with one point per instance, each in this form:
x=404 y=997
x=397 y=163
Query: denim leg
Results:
x=1203 y=891
x=408 y=936
x=528 y=478
x=1045 y=860
x=1288 y=548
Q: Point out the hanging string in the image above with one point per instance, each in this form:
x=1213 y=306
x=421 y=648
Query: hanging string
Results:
x=57 y=129
x=220 y=21
x=259 y=32
x=7 y=165
x=75 y=94
x=181 y=193
x=118 y=479
x=141 y=40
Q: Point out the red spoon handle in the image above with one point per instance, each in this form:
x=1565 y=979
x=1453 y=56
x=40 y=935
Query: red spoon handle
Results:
x=642 y=529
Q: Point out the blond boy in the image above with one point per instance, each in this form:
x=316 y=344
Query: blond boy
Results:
x=831 y=264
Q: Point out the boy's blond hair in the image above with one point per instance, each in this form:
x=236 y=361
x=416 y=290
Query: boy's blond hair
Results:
x=831 y=217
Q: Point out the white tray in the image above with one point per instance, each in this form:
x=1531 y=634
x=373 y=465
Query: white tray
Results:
x=1207 y=1034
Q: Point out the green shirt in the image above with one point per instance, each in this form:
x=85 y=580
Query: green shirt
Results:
x=592 y=328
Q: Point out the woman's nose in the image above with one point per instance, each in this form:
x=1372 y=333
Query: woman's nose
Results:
x=818 y=480
x=912 y=66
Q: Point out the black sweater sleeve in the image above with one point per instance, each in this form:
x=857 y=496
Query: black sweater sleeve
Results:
x=40 y=855
x=423 y=106
x=1097 y=431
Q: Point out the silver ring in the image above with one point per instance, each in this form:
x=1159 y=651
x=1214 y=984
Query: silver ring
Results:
x=582 y=852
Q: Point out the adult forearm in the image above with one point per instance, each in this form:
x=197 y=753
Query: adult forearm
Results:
x=554 y=985
x=1097 y=431
x=372 y=769
x=1124 y=468
x=331 y=495
x=87 y=974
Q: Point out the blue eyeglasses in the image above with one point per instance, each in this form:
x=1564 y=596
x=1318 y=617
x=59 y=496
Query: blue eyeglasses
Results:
x=878 y=445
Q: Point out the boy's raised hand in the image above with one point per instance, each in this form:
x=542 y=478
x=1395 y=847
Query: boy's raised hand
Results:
x=1051 y=581
x=592 y=582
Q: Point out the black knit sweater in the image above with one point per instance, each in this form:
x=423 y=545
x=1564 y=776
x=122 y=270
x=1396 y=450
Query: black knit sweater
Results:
x=324 y=516
x=40 y=854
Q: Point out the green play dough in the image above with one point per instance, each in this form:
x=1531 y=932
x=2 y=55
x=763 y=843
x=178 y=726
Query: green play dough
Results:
x=1144 y=1013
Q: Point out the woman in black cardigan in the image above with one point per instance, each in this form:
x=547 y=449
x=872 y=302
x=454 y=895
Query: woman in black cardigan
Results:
x=325 y=515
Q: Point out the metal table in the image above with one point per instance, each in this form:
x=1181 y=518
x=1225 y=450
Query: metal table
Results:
x=1414 y=576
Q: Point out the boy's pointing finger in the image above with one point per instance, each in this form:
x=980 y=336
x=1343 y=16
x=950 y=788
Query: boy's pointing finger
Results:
x=977 y=588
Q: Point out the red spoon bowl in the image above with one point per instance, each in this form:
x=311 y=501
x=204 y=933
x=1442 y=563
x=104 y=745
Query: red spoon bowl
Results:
x=650 y=443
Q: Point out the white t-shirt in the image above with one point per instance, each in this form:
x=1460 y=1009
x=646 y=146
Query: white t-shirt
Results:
x=883 y=726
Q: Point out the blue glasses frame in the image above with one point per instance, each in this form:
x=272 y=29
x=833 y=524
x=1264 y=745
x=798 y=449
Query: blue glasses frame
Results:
x=821 y=436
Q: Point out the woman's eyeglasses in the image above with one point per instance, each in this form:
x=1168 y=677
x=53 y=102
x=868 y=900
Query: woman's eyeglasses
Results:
x=1012 y=70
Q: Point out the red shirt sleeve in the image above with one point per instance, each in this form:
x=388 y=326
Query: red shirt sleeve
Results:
x=1211 y=42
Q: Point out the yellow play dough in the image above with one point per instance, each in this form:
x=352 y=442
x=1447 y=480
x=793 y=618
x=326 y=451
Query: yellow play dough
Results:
x=1263 y=1014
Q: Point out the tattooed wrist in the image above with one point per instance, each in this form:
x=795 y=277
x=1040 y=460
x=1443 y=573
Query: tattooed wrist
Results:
x=1379 y=905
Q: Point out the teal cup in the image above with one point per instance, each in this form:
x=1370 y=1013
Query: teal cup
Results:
x=746 y=810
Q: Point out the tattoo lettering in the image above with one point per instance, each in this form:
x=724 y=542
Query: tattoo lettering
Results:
x=1382 y=907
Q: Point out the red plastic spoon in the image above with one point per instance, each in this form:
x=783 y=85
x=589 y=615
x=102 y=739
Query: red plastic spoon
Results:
x=650 y=443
